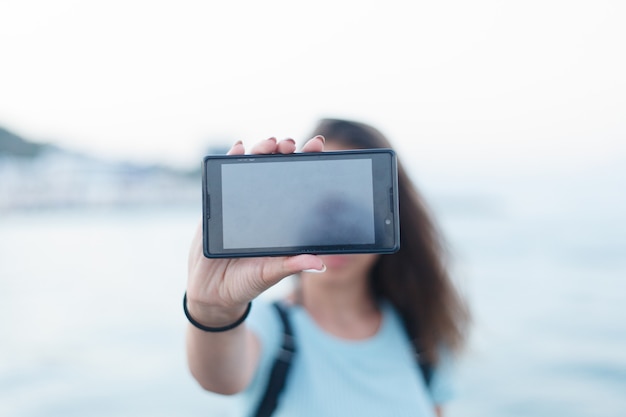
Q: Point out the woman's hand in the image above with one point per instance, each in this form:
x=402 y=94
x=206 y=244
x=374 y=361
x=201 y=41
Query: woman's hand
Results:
x=218 y=290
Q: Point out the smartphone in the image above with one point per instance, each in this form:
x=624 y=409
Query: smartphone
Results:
x=321 y=203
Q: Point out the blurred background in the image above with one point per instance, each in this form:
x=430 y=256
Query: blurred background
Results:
x=510 y=117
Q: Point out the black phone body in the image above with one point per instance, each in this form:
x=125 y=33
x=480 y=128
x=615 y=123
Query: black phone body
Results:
x=322 y=203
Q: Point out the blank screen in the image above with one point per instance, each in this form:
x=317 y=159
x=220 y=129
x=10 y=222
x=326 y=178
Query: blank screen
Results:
x=286 y=204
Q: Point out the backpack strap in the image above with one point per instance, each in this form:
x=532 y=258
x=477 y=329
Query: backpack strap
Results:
x=426 y=369
x=280 y=369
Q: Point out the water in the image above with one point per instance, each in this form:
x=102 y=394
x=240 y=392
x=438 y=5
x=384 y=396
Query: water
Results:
x=91 y=320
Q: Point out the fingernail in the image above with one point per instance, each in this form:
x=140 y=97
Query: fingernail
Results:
x=320 y=137
x=316 y=271
x=232 y=150
x=290 y=140
x=273 y=139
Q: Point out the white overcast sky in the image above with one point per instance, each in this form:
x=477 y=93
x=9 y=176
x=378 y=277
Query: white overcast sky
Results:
x=497 y=82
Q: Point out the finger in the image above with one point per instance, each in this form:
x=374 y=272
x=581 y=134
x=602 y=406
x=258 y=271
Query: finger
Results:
x=315 y=144
x=266 y=146
x=237 y=149
x=286 y=146
x=276 y=269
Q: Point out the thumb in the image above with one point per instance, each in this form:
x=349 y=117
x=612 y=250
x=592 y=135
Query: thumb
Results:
x=276 y=269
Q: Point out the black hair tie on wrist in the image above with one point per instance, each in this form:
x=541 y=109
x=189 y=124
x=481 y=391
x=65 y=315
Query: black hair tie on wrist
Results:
x=214 y=329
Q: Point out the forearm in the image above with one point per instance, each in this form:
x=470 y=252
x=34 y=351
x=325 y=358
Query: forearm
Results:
x=222 y=362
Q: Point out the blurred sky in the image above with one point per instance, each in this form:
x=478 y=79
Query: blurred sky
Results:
x=501 y=85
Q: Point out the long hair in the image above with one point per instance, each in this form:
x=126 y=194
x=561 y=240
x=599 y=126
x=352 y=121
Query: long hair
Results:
x=415 y=280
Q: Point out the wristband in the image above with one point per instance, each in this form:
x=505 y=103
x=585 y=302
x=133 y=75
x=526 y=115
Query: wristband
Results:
x=214 y=329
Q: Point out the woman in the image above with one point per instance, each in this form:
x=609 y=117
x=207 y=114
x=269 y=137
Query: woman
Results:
x=358 y=319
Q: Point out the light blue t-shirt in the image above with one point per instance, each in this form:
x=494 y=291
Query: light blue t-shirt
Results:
x=329 y=376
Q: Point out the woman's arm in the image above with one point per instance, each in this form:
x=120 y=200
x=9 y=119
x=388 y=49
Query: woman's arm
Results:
x=218 y=291
x=222 y=362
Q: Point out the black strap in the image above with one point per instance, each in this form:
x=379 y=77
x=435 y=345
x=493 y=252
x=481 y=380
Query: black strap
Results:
x=426 y=369
x=280 y=369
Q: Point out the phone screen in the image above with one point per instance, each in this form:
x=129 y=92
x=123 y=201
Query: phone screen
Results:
x=330 y=202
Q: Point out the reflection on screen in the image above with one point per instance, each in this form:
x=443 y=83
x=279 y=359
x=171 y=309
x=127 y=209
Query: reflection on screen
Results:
x=297 y=203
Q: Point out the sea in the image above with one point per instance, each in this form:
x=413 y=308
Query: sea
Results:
x=91 y=322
